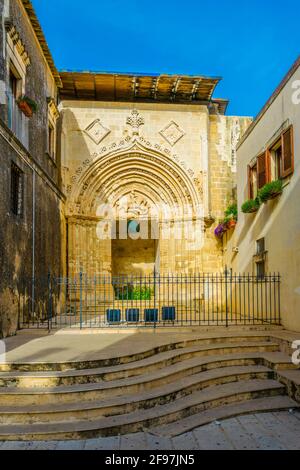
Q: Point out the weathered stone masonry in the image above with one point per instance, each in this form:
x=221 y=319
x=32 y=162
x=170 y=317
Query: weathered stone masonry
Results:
x=155 y=139
x=25 y=250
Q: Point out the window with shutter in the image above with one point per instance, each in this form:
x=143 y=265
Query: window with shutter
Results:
x=262 y=170
x=252 y=181
x=16 y=190
x=288 y=157
x=275 y=160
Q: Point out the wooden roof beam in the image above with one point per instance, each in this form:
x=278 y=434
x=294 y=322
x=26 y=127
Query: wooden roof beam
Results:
x=154 y=88
x=195 y=89
x=175 y=88
x=135 y=87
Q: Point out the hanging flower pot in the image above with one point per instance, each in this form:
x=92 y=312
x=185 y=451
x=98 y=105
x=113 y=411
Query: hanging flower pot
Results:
x=27 y=106
x=231 y=216
x=220 y=230
x=231 y=224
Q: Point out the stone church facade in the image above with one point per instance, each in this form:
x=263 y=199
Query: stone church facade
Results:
x=171 y=163
x=103 y=151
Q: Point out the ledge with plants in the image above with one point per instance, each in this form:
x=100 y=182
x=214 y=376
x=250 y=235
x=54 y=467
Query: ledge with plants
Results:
x=267 y=192
x=251 y=206
x=27 y=105
x=270 y=190
x=229 y=221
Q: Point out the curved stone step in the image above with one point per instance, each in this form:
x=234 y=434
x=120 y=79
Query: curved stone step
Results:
x=211 y=397
x=88 y=402
x=259 y=405
x=291 y=379
x=160 y=360
x=138 y=356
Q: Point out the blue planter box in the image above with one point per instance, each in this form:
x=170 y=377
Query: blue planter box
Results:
x=151 y=315
x=113 y=316
x=168 y=313
x=132 y=315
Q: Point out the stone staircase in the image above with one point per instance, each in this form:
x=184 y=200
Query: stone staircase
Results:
x=169 y=389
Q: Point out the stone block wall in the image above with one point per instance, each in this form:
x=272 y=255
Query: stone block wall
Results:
x=30 y=244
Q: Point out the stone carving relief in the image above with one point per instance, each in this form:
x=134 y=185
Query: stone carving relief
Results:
x=133 y=205
x=97 y=132
x=135 y=120
x=138 y=143
x=172 y=133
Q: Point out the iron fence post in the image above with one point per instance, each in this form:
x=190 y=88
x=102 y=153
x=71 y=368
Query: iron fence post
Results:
x=49 y=302
x=279 y=299
x=154 y=298
x=80 y=298
x=226 y=296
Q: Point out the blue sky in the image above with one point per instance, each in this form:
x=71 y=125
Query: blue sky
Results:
x=251 y=44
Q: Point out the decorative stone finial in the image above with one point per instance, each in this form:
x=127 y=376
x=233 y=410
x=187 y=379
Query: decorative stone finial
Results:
x=135 y=121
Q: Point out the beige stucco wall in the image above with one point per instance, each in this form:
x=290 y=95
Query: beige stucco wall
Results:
x=278 y=220
x=199 y=168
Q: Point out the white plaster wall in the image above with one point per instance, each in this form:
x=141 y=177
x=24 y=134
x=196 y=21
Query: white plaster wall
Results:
x=278 y=220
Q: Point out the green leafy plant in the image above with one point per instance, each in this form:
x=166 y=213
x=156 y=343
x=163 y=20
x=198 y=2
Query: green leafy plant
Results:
x=270 y=190
x=229 y=221
x=130 y=292
x=250 y=206
x=231 y=216
x=31 y=103
x=142 y=293
x=231 y=213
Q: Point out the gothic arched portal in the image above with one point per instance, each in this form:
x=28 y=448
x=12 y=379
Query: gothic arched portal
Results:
x=142 y=184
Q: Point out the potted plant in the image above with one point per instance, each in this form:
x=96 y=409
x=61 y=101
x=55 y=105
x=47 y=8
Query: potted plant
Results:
x=230 y=222
x=231 y=216
x=27 y=105
x=220 y=230
x=251 y=206
x=270 y=190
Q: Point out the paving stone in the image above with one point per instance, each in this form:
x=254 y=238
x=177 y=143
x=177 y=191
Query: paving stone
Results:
x=237 y=435
x=297 y=414
x=44 y=445
x=185 y=442
x=70 y=445
x=158 y=443
x=212 y=437
x=103 y=443
x=17 y=445
x=136 y=441
x=289 y=420
x=262 y=436
x=287 y=437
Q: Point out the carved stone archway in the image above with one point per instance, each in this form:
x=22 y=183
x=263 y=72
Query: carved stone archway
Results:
x=156 y=180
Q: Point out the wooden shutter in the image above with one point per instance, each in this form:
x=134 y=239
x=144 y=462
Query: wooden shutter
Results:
x=287 y=152
x=262 y=170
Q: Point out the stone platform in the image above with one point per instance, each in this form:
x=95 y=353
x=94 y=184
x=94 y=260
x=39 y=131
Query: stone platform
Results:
x=67 y=345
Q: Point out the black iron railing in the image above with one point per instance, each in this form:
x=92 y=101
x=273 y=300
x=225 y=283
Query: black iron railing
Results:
x=158 y=300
